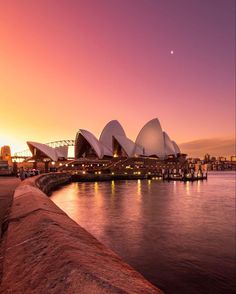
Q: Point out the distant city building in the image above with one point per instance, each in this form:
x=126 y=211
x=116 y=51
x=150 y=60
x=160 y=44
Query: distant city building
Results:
x=207 y=158
x=219 y=164
x=221 y=158
x=5 y=160
x=233 y=158
x=5 y=153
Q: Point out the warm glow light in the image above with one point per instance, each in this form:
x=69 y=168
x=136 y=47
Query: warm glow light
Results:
x=47 y=51
x=187 y=188
x=139 y=188
x=95 y=187
x=112 y=187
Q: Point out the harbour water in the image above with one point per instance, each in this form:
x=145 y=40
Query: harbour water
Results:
x=180 y=236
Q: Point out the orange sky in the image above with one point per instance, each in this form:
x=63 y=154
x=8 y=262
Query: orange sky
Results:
x=78 y=64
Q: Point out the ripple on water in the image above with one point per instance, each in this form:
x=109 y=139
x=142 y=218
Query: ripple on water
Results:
x=180 y=236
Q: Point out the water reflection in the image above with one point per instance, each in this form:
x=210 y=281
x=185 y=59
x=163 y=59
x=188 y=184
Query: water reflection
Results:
x=113 y=187
x=178 y=235
x=139 y=192
x=174 y=187
x=95 y=188
x=187 y=186
x=199 y=186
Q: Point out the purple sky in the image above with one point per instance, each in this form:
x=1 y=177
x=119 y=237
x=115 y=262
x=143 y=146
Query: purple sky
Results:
x=78 y=64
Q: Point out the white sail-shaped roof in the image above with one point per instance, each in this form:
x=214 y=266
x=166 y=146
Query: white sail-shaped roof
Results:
x=169 y=146
x=106 y=150
x=41 y=150
x=177 y=150
x=151 y=139
x=138 y=150
x=62 y=151
x=127 y=144
x=113 y=128
x=83 y=137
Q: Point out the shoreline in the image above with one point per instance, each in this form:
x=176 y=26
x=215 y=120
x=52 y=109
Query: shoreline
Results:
x=45 y=250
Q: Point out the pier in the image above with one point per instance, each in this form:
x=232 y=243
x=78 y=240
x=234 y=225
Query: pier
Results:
x=92 y=177
x=131 y=169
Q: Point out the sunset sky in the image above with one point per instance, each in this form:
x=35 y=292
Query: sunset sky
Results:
x=70 y=64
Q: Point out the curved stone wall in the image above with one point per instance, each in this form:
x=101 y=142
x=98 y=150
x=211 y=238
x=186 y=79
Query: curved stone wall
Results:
x=44 y=251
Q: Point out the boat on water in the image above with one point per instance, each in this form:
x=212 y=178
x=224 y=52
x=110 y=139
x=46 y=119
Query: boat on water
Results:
x=185 y=177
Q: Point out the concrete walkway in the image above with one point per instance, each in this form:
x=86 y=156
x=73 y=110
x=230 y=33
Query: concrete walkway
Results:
x=7 y=188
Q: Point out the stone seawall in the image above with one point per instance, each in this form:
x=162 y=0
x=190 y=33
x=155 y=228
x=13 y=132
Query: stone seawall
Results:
x=44 y=251
x=49 y=182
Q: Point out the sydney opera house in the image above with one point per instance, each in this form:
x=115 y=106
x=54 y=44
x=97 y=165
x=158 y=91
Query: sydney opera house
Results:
x=151 y=141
